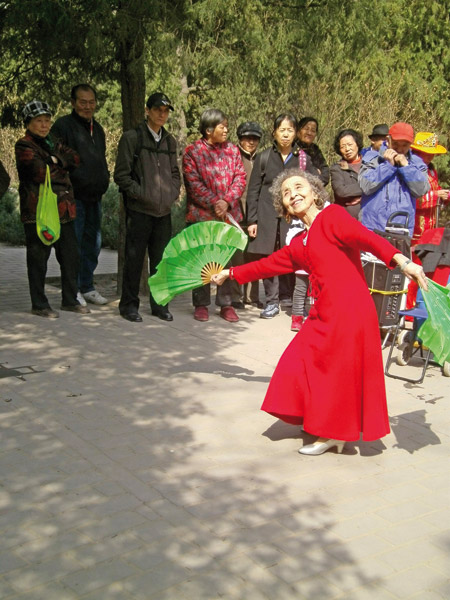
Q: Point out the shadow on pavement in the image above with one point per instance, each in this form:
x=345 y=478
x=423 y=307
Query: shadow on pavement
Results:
x=130 y=470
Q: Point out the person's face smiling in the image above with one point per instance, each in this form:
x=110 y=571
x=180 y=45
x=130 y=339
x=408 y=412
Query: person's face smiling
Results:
x=219 y=134
x=297 y=196
x=307 y=134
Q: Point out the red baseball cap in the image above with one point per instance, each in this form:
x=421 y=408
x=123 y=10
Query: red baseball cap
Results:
x=402 y=131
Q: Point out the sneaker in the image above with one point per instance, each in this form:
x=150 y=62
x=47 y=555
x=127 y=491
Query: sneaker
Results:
x=270 y=311
x=95 y=298
x=296 y=323
x=201 y=313
x=229 y=314
x=80 y=299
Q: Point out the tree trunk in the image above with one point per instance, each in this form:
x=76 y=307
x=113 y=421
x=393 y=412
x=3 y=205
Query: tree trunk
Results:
x=132 y=80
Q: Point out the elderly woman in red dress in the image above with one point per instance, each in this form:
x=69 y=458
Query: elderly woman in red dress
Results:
x=336 y=395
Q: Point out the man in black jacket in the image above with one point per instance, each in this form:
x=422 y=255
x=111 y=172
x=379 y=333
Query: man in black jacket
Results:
x=148 y=176
x=81 y=132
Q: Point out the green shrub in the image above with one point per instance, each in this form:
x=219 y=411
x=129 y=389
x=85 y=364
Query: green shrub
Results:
x=11 y=228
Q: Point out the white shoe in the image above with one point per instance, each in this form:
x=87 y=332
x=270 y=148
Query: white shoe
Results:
x=95 y=297
x=80 y=299
x=321 y=445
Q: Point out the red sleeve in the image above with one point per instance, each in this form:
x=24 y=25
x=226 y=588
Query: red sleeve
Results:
x=349 y=232
x=278 y=263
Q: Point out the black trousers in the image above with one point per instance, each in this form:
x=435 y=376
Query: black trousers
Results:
x=66 y=252
x=201 y=296
x=143 y=232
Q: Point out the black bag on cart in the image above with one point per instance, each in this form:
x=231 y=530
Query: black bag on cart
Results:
x=384 y=282
x=397 y=233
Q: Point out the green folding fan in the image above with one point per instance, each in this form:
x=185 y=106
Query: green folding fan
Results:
x=435 y=332
x=193 y=256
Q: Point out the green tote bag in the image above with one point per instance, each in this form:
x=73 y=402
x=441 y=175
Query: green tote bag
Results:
x=47 y=217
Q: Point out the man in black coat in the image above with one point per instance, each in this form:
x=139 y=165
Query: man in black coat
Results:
x=81 y=132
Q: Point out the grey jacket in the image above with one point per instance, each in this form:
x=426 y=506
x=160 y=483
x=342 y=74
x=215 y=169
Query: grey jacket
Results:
x=150 y=180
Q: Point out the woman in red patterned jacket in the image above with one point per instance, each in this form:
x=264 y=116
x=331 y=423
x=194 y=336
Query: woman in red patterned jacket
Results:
x=34 y=152
x=215 y=180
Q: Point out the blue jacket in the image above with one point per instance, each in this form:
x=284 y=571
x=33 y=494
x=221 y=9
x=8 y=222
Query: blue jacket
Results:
x=387 y=188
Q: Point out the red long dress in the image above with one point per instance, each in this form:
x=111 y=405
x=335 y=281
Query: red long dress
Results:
x=330 y=377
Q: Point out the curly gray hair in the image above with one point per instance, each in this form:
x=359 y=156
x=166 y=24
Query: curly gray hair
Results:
x=320 y=194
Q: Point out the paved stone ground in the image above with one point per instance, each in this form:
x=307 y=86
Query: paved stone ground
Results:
x=136 y=464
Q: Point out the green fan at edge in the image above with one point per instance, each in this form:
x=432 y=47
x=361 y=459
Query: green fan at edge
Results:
x=192 y=256
x=435 y=332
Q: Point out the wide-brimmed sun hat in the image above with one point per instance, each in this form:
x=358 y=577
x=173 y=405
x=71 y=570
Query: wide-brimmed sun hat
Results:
x=427 y=142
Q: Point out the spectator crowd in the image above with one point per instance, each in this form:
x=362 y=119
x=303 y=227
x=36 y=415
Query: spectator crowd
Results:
x=394 y=174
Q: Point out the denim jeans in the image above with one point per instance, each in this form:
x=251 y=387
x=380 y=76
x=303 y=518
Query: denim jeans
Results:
x=89 y=240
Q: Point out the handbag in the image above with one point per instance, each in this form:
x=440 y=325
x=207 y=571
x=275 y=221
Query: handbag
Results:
x=48 y=225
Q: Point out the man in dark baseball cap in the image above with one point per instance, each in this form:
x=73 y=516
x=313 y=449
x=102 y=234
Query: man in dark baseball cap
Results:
x=159 y=99
x=148 y=176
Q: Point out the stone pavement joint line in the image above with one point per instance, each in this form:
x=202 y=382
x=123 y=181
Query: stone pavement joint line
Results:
x=135 y=464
